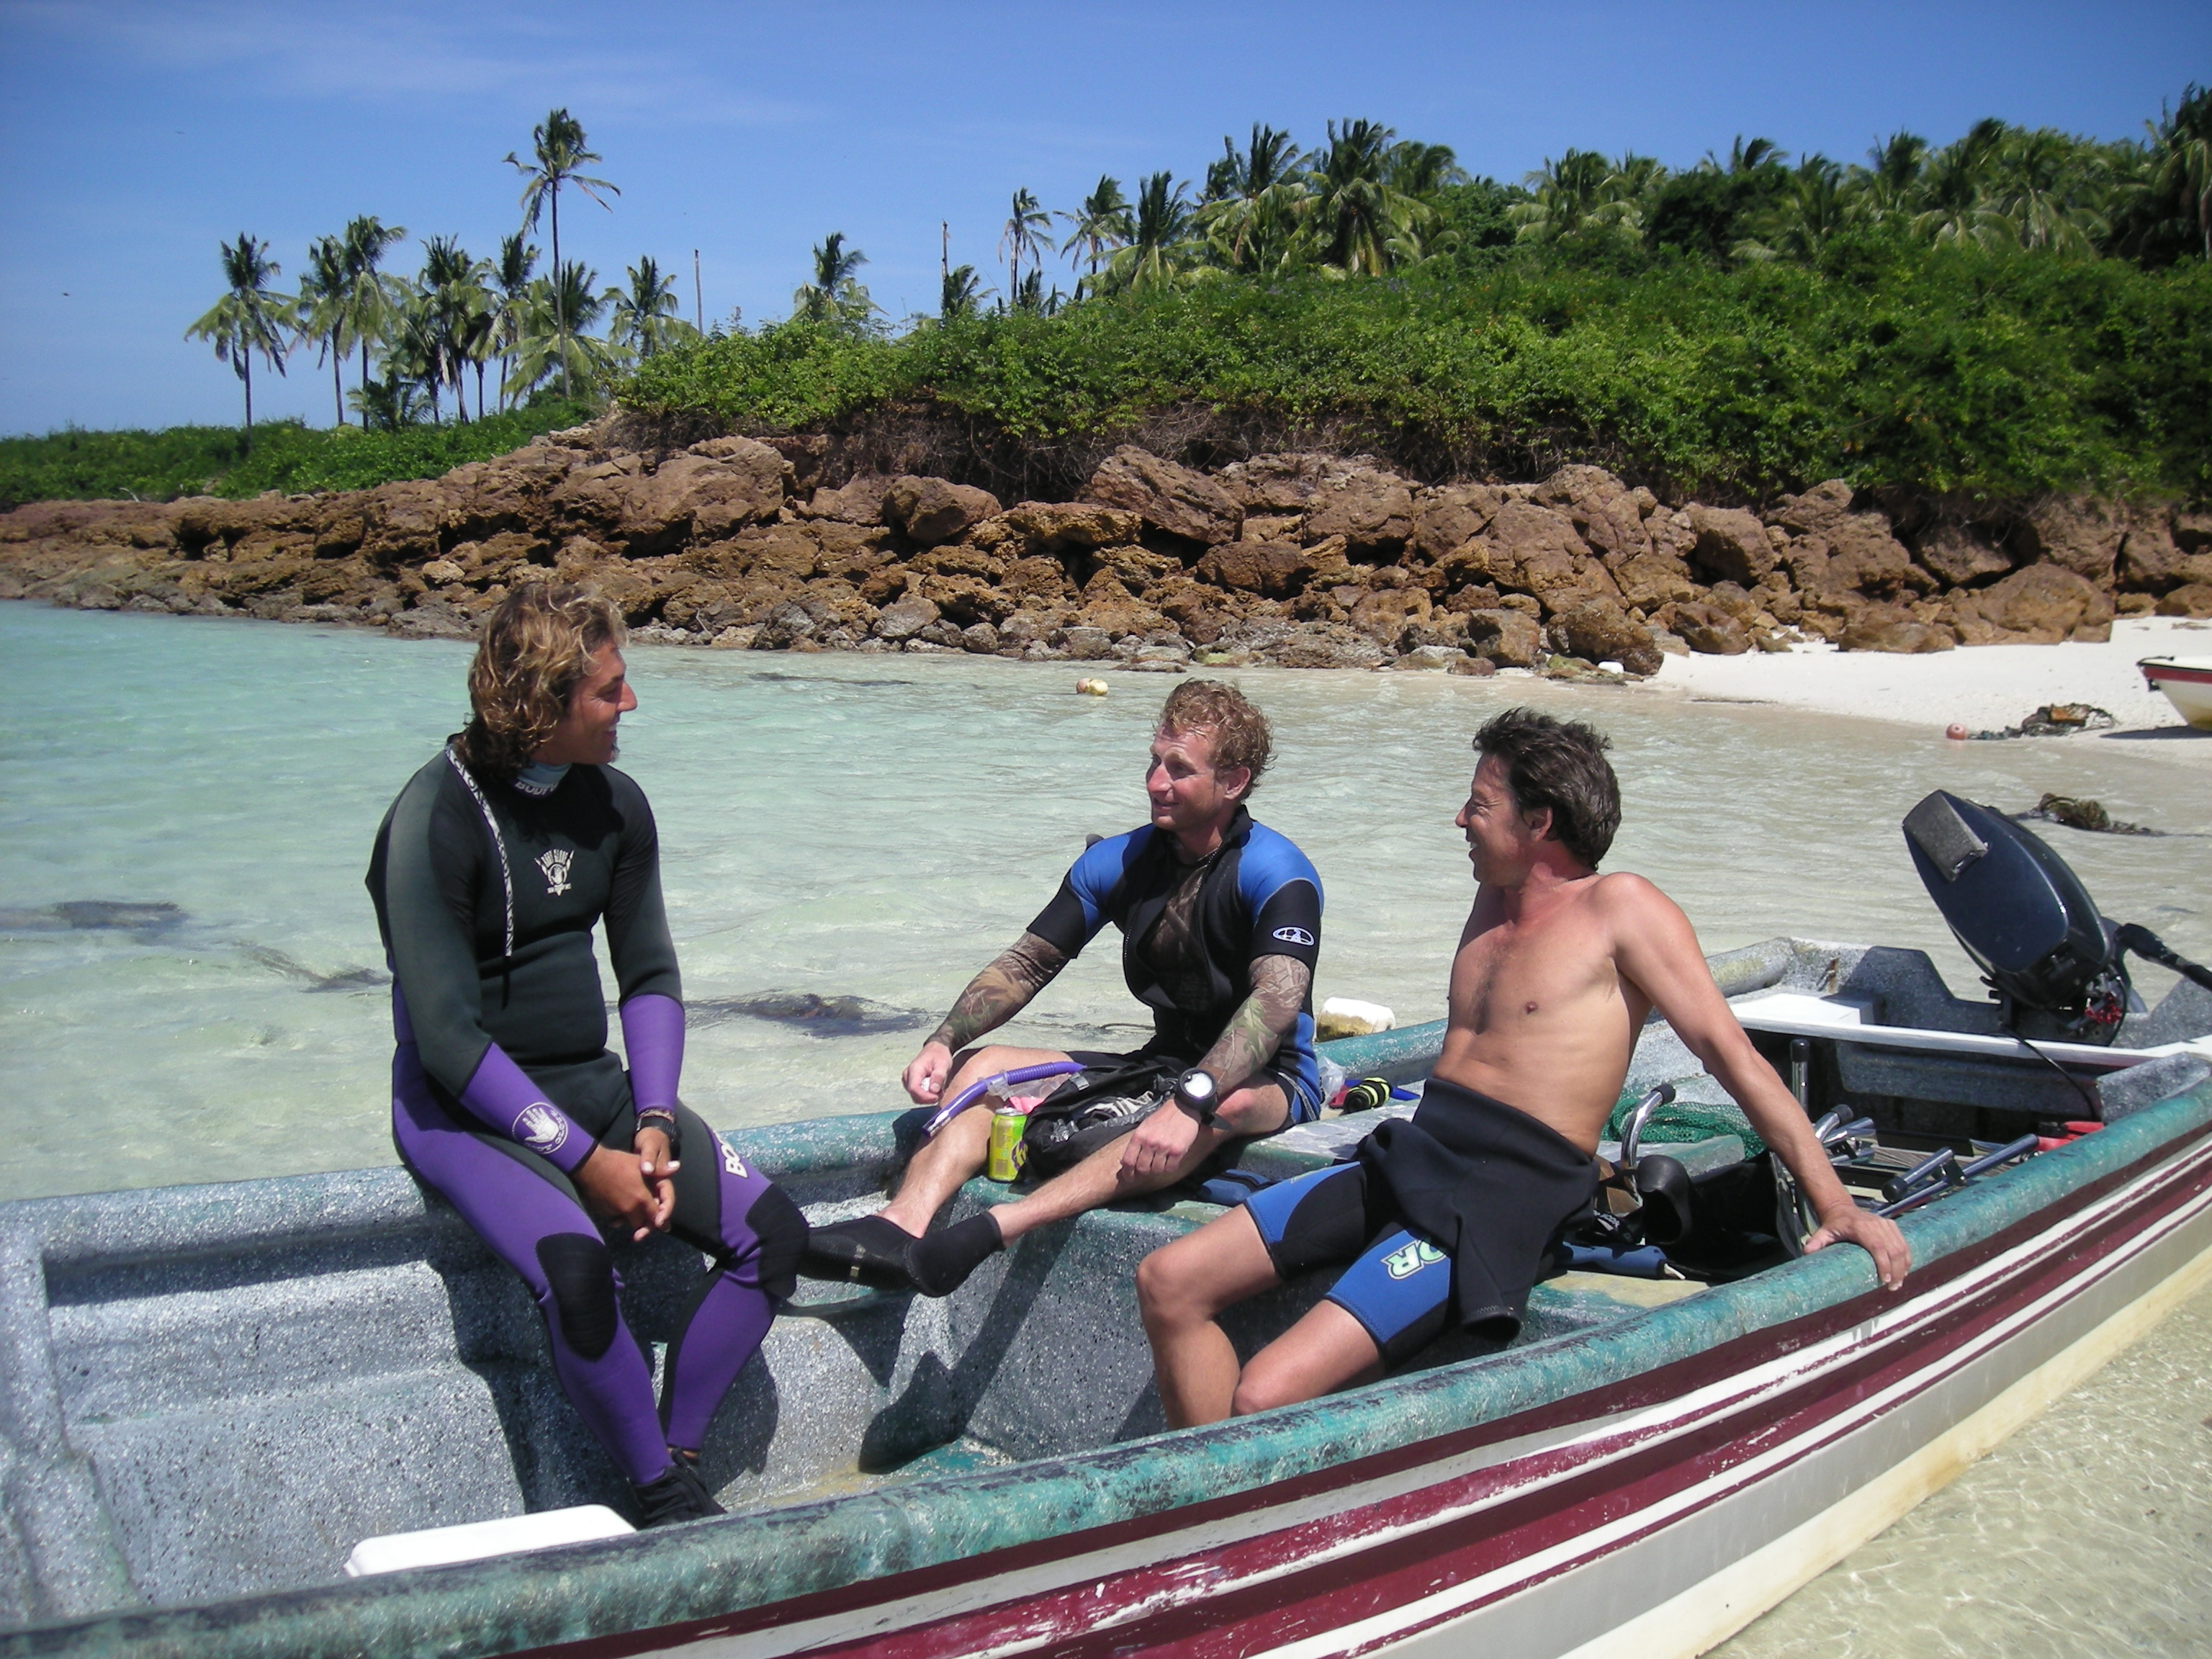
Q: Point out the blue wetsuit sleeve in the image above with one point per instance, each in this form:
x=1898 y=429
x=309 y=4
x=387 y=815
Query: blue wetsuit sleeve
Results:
x=1282 y=892
x=432 y=862
x=1088 y=894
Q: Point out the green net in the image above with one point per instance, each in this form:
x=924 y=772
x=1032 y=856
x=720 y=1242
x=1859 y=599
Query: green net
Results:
x=1680 y=1121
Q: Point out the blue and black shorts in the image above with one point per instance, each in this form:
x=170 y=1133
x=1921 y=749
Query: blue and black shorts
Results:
x=1399 y=1284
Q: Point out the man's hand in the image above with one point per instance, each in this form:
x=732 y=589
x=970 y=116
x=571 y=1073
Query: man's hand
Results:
x=1877 y=1235
x=926 y=1073
x=657 y=1165
x=1158 y=1144
x=615 y=1187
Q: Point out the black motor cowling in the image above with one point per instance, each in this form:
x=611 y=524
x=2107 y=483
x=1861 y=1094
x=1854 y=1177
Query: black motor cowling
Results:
x=2021 y=915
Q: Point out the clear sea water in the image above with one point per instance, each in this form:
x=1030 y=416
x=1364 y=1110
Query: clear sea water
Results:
x=874 y=829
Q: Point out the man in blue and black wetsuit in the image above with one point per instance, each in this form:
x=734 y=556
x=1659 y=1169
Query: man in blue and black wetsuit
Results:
x=1220 y=920
x=489 y=874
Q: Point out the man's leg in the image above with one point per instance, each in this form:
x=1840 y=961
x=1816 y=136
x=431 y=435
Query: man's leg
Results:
x=942 y=1262
x=958 y=1151
x=1182 y=1288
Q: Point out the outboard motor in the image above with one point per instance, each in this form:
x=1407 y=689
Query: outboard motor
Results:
x=2024 y=917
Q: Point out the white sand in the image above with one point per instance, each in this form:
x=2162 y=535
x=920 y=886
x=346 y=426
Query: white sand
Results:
x=1983 y=688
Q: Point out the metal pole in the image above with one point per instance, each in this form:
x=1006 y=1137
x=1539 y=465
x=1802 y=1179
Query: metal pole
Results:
x=698 y=303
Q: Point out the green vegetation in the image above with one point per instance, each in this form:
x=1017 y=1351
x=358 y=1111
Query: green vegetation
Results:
x=2016 y=311
x=285 y=455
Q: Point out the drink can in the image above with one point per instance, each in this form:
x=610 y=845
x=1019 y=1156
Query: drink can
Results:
x=1008 y=1121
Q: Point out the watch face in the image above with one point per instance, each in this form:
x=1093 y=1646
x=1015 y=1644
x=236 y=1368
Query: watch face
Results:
x=1195 y=1085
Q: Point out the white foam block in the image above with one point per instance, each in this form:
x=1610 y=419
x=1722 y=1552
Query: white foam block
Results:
x=441 y=1546
x=1351 y=1011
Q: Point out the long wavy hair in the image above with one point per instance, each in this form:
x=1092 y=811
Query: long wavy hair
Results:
x=535 y=652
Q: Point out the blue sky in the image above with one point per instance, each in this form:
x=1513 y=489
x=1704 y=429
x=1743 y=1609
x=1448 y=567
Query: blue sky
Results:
x=136 y=136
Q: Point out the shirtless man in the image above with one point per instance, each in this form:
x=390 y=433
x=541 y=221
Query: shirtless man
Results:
x=1444 y=1218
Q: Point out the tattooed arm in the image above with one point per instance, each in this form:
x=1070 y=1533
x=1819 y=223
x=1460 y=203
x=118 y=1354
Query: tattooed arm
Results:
x=1254 y=1032
x=992 y=997
x=1257 y=1029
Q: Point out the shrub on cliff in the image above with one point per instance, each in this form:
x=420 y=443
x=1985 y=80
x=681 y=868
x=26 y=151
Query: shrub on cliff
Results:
x=286 y=456
x=1886 y=361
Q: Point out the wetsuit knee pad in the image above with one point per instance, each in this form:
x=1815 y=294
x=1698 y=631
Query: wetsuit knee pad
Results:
x=580 y=1274
x=782 y=1232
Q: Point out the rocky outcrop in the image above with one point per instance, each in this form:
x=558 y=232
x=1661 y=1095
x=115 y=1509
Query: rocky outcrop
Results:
x=1304 y=560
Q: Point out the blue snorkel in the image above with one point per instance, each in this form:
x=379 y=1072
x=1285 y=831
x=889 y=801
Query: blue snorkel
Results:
x=968 y=1096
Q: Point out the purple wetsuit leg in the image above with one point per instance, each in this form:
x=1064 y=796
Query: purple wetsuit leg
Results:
x=756 y=1234
x=516 y=1211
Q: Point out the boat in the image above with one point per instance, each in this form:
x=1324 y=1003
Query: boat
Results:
x=212 y=1395
x=2187 y=683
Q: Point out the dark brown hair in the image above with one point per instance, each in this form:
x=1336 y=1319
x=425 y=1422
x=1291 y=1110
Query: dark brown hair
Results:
x=536 y=650
x=1559 y=764
x=1238 y=731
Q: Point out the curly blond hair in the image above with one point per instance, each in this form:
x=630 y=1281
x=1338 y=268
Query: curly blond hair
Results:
x=536 y=650
x=1238 y=731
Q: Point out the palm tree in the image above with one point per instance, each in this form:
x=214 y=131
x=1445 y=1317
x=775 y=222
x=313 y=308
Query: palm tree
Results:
x=1580 y=193
x=323 y=311
x=2050 y=187
x=251 y=317
x=2182 y=143
x=558 y=148
x=1025 y=236
x=646 y=312
x=1953 y=192
x=454 y=314
x=1888 y=185
x=1421 y=170
x=1816 y=206
x=1359 y=221
x=1158 y=239
x=373 y=299
x=835 y=296
x=962 y=296
x=1102 y=225
x=511 y=274
x=557 y=310
x=1250 y=208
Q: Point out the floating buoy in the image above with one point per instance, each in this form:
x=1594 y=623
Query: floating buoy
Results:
x=1090 y=688
x=1956 y=731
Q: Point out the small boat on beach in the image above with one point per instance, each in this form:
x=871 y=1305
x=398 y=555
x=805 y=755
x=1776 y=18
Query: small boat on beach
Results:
x=2187 y=683
x=210 y=1396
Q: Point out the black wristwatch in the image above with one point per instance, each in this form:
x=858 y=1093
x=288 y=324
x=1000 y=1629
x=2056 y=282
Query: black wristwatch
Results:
x=1195 y=1092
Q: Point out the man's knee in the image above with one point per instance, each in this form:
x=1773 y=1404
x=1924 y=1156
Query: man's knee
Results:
x=1174 y=1287
x=579 y=1279
x=1257 y=1109
x=777 y=1222
x=1258 y=1391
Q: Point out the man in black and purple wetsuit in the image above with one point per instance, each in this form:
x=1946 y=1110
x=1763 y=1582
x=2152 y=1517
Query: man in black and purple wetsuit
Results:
x=489 y=874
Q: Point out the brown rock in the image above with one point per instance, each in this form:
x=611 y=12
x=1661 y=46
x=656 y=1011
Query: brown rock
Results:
x=1136 y=567
x=1384 y=617
x=1731 y=546
x=1200 y=614
x=2042 y=604
x=902 y=619
x=2075 y=533
x=1605 y=514
x=934 y=510
x=1863 y=555
x=1281 y=483
x=1071 y=525
x=780 y=550
x=1274 y=569
x=2191 y=600
x=1372 y=511
x=1037 y=580
x=2155 y=558
x=1510 y=639
x=1961 y=553
x=961 y=560
x=860 y=500
x=1601 y=631
x=1535 y=548
x=402 y=523
x=1446 y=520
x=1812 y=513
x=1882 y=629
x=1326 y=645
x=966 y=600
x=1710 y=629
x=2192 y=532
x=1118 y=618
x=1171 y=498
x=1649 y=580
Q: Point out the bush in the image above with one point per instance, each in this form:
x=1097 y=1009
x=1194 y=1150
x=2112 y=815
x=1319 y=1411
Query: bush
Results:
x=285 y=455
x=1889 y=362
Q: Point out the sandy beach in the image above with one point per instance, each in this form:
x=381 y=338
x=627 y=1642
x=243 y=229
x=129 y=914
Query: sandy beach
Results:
x=1983 y=688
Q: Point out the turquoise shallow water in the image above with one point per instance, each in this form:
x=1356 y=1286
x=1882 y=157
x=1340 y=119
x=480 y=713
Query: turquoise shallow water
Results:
x=876 y=827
